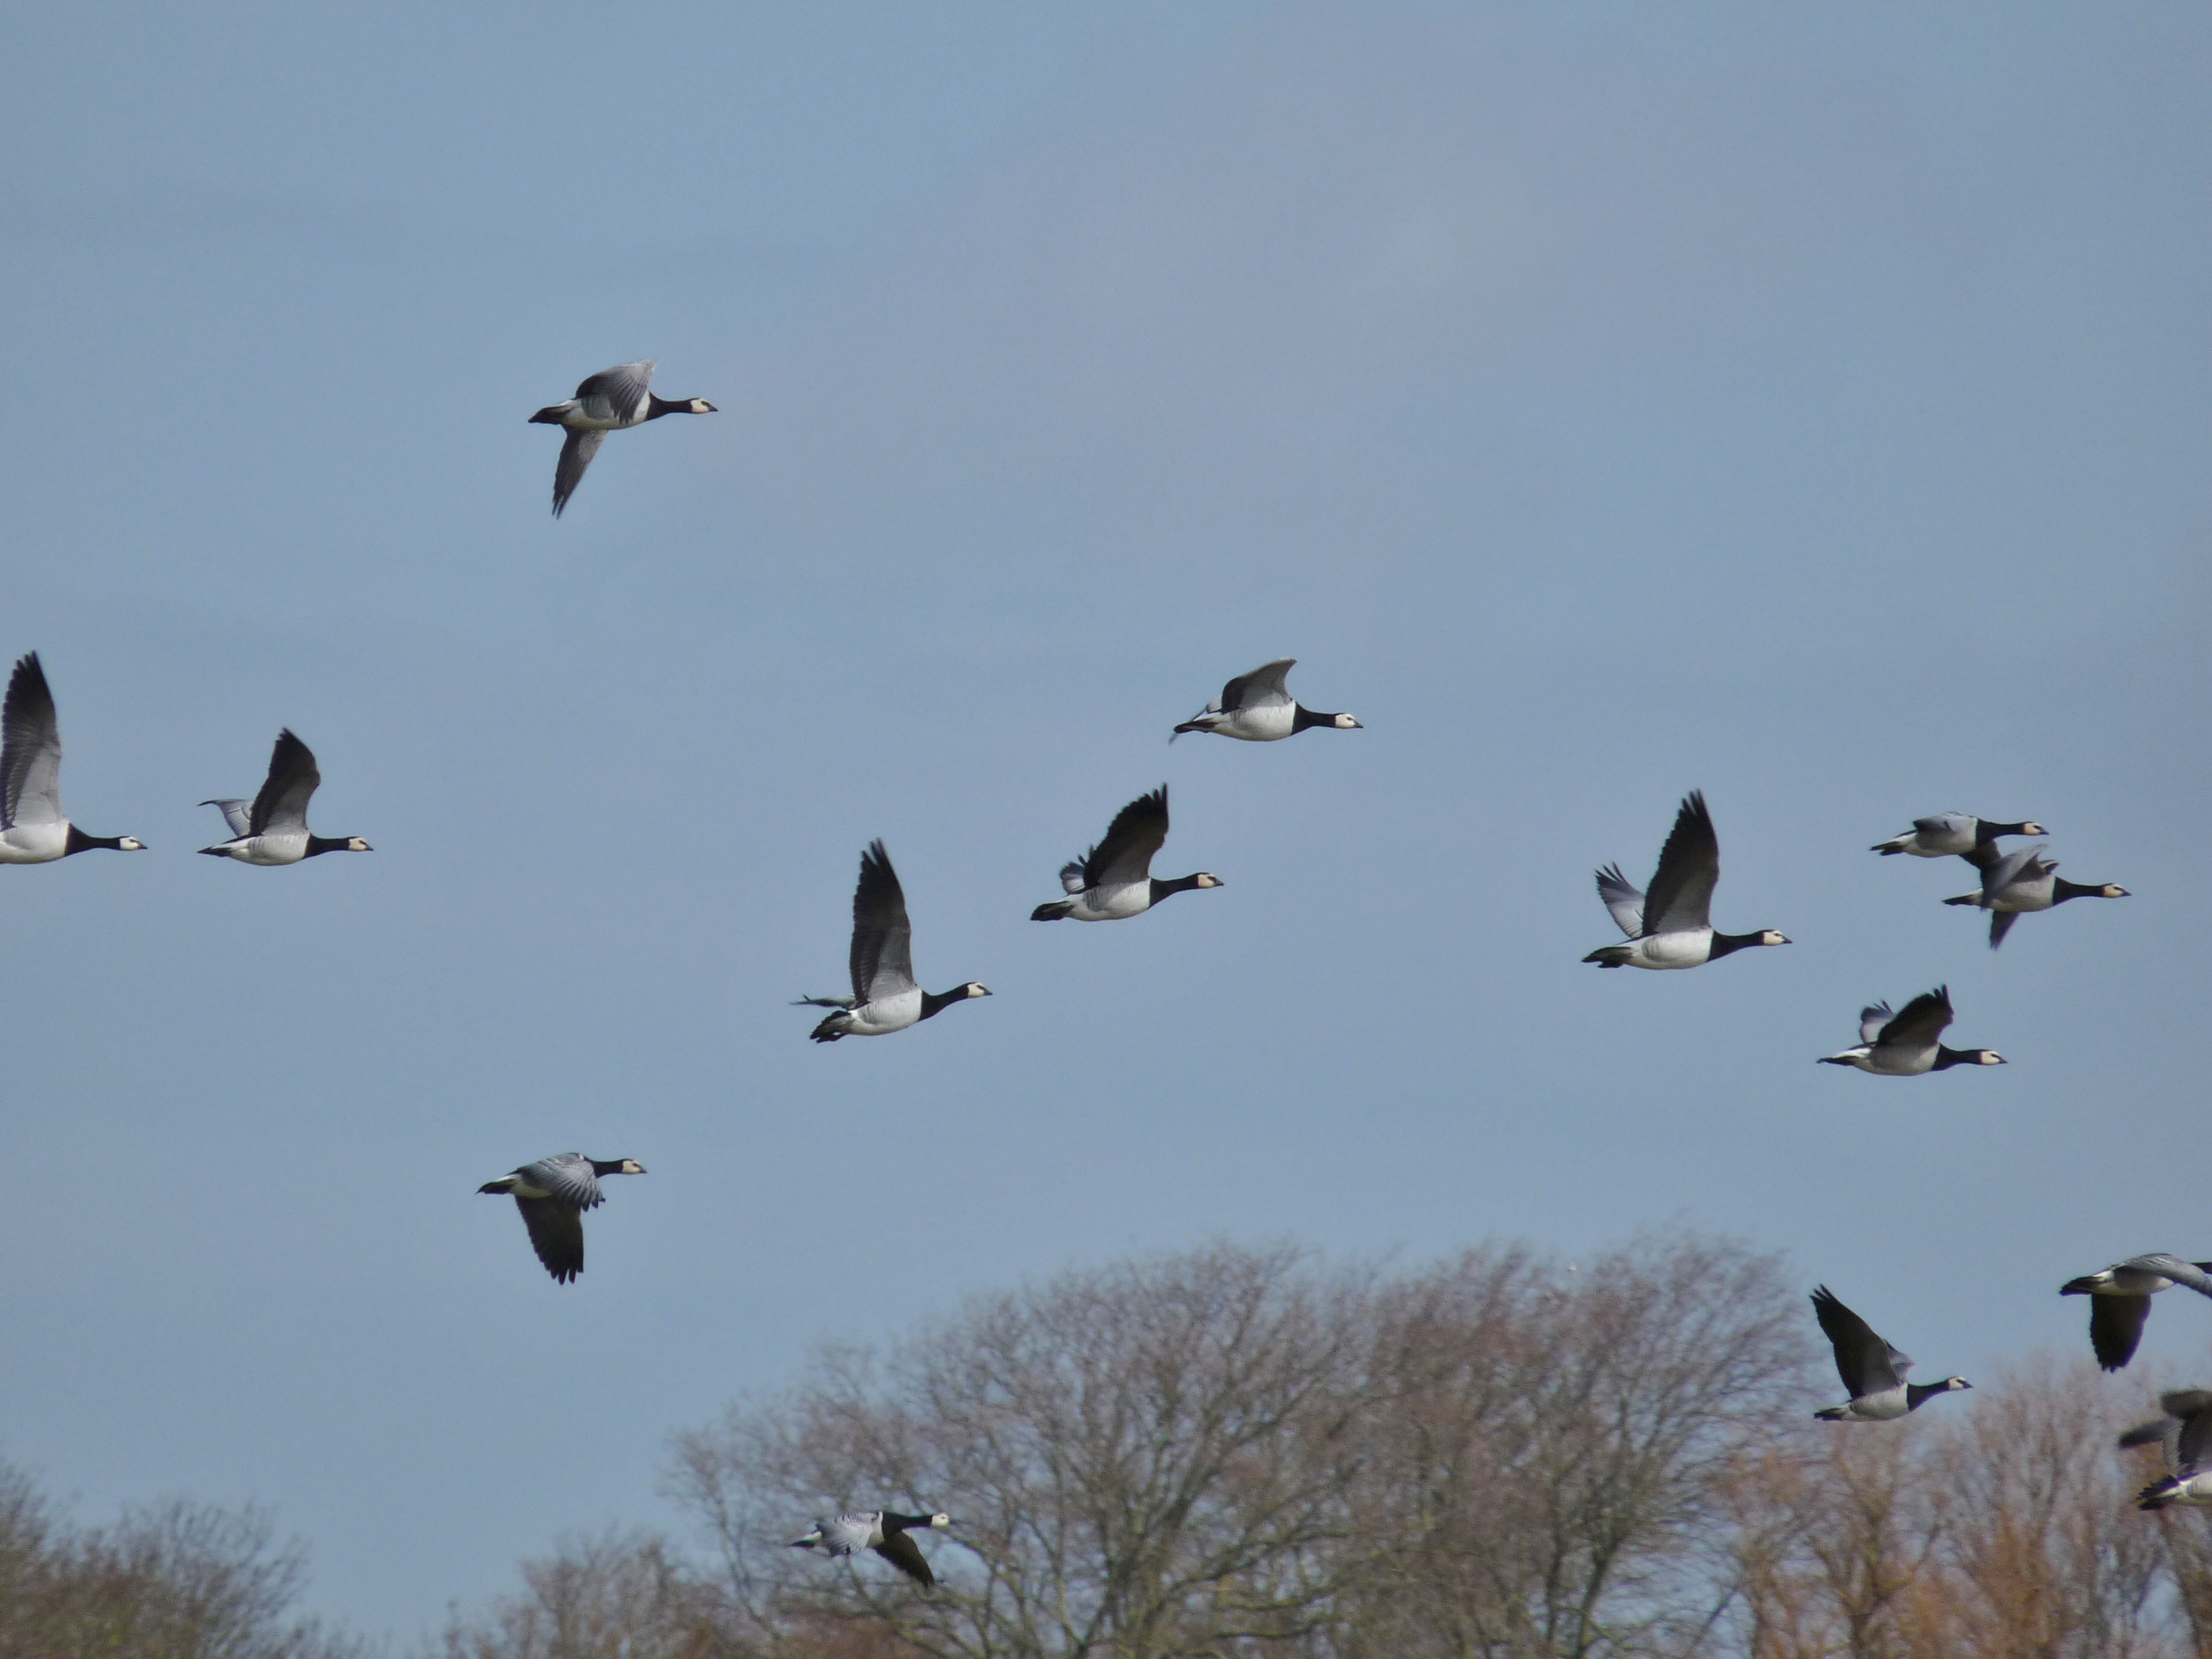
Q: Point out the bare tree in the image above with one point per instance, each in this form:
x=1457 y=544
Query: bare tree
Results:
x=1148 y=1459
x=174 y=1581
x=617 y=1596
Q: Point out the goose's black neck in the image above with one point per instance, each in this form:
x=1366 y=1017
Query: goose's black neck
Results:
x=605 y=1166
x=1947 y=1058
x=1918 y=1393
x=2062 y=890
x=934 y=1002
x=1985 y=832
x=894 y=1522
x=1306 y=717
x=1181 y=885
x=324 y=844
x=657 y=406
x=78 y=842
x=1724 y=943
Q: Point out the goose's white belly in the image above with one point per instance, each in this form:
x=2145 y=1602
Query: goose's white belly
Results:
x=1112 y=903
x=880 y=1018
x=1263 y=725
x=33 y=843
x=2024 y=896
x=1692 y=948
x=1884 y=1408
x=268 y=849
x=1900 y=1062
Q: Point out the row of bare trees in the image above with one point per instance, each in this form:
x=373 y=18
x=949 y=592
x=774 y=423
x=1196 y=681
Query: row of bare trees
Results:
x=174 y=1581
x=1233 y=1453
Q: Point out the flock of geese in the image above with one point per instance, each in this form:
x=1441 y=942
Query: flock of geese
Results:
x=1666 y=925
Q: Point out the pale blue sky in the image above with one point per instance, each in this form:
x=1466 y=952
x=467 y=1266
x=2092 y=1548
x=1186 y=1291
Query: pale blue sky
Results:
x=1601 y=401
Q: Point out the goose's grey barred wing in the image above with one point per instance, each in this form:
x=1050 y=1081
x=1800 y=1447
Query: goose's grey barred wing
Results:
x=1872 y=1019
x=1867 y=1364
x=557 y=1233
x=238 y=814
x=1125 y=853
x=1946 y=824
x=1264 y=686
x=2014 y=866
x=617 y=393
x=882 y=937
x=567 y=1176
x=1680 y=896
x=282 y=803
x=2192 y=1275
x=903 y=1553
x=576 y=451
x=30 y=748
x=1623 y=900
x=2116 y=1327
x=1921 y=1020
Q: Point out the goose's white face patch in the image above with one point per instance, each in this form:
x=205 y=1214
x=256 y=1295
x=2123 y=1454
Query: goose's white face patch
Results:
x=132 y=844
x=356 y=844
x=631 y=1166
x=1991 y=1057
x=1769 y=936
x=940 y=1520
x=1204 y=880
x=976 y=990
x=1345 y=723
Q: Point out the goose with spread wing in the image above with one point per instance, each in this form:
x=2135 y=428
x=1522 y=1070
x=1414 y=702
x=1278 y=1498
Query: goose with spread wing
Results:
x=553 y=1193
x=2017 y=883
x=613 y=400
x=2119 y=1299
x=2183 y=1437
x=1671 y=925
x=1951 y=835
x=884 y=1531
x=885 y=996
x=1907 y=1043
x=34 y=830
x=1258 y=708
x=1873 y=1371
x=272 y=828
x=1114 y=880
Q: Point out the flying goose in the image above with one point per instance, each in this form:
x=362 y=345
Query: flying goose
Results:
x=1905 y=1044
x=32 y=828
x=884 y=1531
x=885 y=997
x=1949 y=834
x=2019 y=881
x=2119 y=1299
x=1873 y=1371
x=609 y=401
x=1258 y=708
x=273 y=830
x=553 y=1195
x=1114 y=879
x=2183 y=1437
x=1671 y=926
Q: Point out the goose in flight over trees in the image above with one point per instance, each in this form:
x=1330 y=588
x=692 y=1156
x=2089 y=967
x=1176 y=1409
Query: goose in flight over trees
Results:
x=1873 y=1371
x=1949 y=834
x=884 y=1531
x=1906 y=1044
x=1114 y=880
x=612 y=400
x=2119 y=1299
x=1671 y=925
x=1258 y=708
x=273 y=829
x=33 y=829
x=885 y=996
x=2019 y=881
x=2183 y=1437
x=553 y=1195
